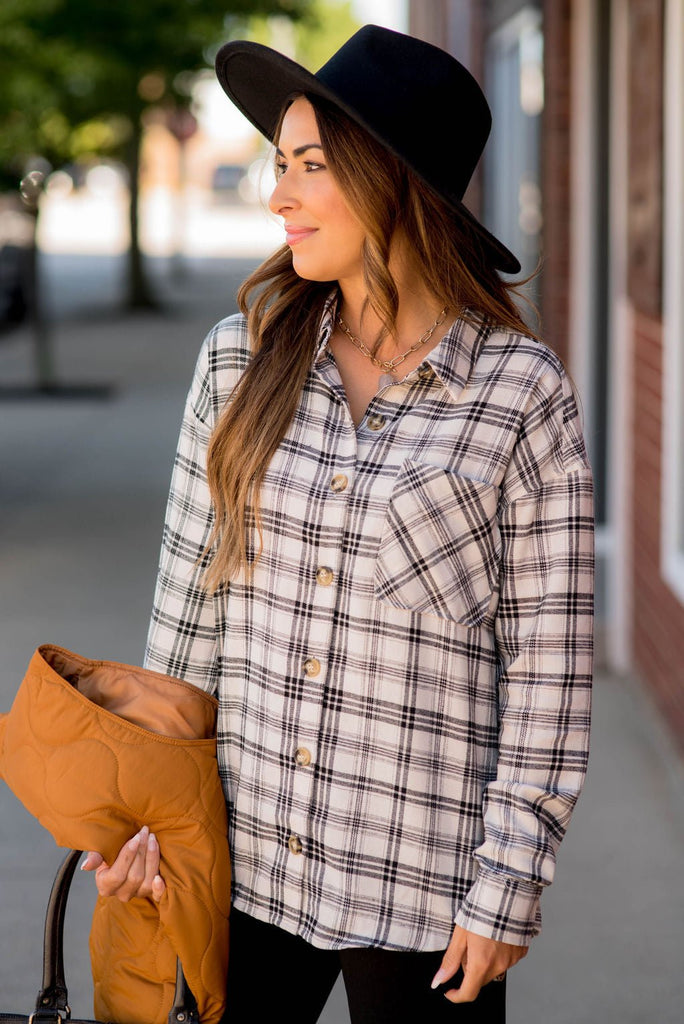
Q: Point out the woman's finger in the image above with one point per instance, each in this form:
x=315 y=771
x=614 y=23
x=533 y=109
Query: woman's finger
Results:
x=91 y=861
x=151 y=866
x=158 y=888
x=454 y=957
x=127 y=872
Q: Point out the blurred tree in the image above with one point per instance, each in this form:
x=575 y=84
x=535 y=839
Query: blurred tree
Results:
x=313 y=40
x=77 y=77
x=317 y=38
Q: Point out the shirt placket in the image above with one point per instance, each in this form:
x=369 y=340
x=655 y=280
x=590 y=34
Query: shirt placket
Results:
x=324 y=574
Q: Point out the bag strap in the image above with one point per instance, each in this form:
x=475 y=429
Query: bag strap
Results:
x=184 y=1009
x=53 y=994
x=53 y=998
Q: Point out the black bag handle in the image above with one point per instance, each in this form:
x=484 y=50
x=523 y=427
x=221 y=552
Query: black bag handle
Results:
x=54 y=995
x=53 y=999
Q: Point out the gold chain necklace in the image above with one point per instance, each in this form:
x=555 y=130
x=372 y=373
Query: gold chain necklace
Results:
x=388 y=366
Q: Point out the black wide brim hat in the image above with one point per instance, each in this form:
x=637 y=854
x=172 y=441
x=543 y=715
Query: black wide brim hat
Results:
x=414 y=98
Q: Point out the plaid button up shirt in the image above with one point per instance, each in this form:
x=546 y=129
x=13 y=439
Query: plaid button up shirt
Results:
x=404 y=683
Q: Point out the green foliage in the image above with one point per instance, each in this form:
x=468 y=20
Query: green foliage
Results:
x=316 y=41
x=313 y=40
x=73 y=69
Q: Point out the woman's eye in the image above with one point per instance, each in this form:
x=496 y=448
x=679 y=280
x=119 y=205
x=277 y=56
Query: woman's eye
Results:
x=309 y=166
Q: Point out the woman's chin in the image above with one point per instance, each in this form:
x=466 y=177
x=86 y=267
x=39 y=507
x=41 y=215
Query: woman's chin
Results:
x=312 y=273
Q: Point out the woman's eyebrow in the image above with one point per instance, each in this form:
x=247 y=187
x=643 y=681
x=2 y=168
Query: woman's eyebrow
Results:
x=301 y=149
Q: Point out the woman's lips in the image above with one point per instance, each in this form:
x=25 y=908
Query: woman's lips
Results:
x=295 y=235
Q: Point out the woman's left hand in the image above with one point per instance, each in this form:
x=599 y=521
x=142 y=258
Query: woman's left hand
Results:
x=482 y=961
x=135 y=872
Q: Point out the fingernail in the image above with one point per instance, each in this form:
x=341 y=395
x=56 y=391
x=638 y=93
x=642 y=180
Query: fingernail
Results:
x=152 y=842
x=144 y=832
x=440 y=977
x=158 y=888
x=134 y=842
x=84 y=862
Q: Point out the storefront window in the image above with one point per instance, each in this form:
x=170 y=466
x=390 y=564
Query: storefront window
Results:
x=514 y=84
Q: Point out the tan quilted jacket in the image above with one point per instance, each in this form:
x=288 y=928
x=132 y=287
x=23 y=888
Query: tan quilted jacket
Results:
x=95 y=750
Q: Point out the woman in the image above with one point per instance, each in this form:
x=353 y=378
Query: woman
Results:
x=378 y=554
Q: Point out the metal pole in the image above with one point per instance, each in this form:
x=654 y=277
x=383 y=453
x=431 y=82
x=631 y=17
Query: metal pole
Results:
x=31 y=188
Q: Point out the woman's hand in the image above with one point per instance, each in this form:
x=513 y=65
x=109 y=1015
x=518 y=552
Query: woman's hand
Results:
x=135 y=872
x=482 y=961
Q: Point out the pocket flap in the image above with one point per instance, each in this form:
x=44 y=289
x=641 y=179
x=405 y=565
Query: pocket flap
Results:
x=439 y=552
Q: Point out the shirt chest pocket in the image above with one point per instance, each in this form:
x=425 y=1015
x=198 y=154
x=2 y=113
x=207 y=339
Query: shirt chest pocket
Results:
x=440 y=546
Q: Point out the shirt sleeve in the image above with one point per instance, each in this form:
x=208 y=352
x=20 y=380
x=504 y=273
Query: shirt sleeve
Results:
x=544 y=639
x=182 y=635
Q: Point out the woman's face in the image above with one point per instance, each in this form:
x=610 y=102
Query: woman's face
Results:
x=325 y=236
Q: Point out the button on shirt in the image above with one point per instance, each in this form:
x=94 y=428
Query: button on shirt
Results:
x=419 y=626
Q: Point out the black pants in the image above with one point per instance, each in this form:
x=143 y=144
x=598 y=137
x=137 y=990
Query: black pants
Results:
x=274 y=975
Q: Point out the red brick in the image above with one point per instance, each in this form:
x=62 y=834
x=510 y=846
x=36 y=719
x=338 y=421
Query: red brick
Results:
x=645 y=154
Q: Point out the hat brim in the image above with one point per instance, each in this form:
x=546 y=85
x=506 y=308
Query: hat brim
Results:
x=260 y=80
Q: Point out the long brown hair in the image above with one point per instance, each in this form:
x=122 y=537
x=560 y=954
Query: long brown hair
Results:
x=284 y=312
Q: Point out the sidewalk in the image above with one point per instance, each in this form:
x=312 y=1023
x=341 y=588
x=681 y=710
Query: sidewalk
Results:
x=83 y=485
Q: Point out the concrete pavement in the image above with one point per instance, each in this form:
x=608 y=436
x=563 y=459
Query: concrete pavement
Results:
x=83 y=484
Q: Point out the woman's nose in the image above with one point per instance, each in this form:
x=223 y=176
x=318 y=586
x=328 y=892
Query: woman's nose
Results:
x=281 y=197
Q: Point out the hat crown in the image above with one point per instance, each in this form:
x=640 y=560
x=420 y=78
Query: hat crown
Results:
x=416 y=99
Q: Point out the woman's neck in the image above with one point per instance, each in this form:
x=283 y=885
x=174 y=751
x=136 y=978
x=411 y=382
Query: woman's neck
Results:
x=417 y=312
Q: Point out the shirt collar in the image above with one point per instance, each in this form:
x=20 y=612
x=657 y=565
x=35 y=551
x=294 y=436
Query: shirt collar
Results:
x=327 y=324
x=451 y=360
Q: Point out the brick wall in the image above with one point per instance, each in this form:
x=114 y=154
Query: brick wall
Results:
x=645 y=154
x=658 y=624
x=658 y=615
x=429 y=20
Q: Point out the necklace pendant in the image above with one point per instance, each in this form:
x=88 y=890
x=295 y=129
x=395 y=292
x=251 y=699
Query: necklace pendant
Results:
x=385 y=379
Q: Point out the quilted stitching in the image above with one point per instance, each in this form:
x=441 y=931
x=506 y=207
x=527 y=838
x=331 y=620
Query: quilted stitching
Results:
x=93 y=779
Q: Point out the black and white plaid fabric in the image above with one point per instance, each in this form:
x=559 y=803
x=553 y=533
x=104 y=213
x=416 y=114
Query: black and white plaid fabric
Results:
x=404 y=684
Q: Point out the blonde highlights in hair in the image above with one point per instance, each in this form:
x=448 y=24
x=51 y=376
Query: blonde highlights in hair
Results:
x=284 y=311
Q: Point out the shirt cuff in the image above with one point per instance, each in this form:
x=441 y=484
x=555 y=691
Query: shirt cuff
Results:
x=502 y=907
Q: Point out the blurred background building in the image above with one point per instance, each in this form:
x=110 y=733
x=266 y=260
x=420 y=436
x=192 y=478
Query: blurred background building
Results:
x=585 y=172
